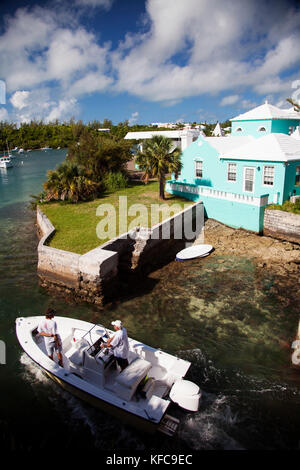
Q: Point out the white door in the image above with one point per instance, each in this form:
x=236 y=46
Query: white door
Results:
x=249 y=175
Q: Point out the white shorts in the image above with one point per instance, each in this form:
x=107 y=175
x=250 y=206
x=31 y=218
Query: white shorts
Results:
x=51 y=347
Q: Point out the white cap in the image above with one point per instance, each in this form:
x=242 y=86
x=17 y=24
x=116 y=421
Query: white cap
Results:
x=117 y=323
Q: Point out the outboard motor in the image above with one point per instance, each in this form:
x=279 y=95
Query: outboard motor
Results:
x=186 y=394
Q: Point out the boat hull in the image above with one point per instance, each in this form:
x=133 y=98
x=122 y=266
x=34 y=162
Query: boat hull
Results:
x=149 y=416
x=128 y=418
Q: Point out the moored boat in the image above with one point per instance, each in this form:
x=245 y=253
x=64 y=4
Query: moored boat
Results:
x=5 y=162
x=10 y=155
x=141 y=394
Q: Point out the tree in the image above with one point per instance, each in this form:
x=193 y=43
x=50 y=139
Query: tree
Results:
x=99 y=154
x=294 y=103
x=68 y=182
x=158 y=159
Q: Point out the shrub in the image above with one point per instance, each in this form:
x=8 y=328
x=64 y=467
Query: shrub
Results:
x=114 y=181
x=287 y=206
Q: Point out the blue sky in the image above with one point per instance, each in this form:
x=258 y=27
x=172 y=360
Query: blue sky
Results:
x=147 y=61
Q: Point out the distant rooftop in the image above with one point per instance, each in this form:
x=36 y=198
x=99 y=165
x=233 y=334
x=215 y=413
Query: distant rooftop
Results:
x=171 y=134
x=267 y=111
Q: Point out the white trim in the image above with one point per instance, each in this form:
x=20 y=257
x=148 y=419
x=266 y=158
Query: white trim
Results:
x=195 y=169
x=244 y=173
x=232 y=181
x=263 y=177
x=258 y=201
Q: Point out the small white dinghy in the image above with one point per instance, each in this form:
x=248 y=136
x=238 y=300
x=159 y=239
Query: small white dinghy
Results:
x=194 y=251
x=141 y=394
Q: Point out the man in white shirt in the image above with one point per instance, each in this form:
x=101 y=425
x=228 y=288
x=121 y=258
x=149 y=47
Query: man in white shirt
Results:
x=48 y=329
x=119 y=343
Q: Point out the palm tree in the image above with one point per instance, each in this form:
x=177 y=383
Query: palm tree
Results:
x=158 y=159
x=294 y=103
x=69 y=182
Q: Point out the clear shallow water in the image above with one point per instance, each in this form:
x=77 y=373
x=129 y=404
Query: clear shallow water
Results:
x=214 y=312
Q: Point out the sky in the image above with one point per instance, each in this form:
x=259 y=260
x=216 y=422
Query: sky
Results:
x=146 y=60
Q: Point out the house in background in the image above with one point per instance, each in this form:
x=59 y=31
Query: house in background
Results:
x=237 y=176
x=265 y=119
x=180 y=138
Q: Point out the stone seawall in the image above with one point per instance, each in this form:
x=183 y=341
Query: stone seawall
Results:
x=282 y=225
x=88 y=277
x=96 y=276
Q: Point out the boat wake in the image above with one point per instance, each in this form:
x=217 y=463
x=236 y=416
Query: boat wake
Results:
x=216 y=426
x=76 y=413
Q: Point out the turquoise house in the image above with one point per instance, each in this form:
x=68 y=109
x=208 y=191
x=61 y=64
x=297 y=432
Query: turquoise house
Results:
x=236 y=177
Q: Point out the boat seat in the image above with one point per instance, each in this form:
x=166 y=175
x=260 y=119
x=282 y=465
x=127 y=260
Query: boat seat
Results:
x=127 y=381
x=76 y=353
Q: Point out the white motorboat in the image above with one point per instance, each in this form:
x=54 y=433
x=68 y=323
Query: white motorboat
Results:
x=21 y=151
x=15 y=149
x=46 y=148
x=5 y=162
x=140 y=394
x=194 y=251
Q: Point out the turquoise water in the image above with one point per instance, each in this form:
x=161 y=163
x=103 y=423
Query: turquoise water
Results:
x=216 y=312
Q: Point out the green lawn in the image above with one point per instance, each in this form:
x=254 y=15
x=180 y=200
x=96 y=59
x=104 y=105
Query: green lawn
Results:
x=76 y=223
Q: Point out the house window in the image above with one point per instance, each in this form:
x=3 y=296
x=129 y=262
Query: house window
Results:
x=262 y=129
x=198 y=169
x=239 y=129
x=231 y=172
x=268 y=178
x=297 y=180
x=249 y=179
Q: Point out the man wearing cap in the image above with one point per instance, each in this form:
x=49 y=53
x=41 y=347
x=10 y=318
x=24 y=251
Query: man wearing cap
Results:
x=48 y=329
x=119 y=343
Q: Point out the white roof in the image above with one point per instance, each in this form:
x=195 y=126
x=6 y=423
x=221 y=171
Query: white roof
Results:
x=268 y=111
x=218 y=131
x=226 y=144
x=148 y=134
x=271 y=147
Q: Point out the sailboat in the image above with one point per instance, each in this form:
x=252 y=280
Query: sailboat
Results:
x=10 y=155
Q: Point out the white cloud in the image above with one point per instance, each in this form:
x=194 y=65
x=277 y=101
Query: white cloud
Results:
x=222 y=45
x=48 y=47
x=38 y=104
x=3 y=114
x=133 y=118
x=248 y=104
x=62 y=110
x=19 y=99
x=231 y=99
x=190 y=48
